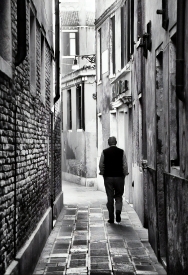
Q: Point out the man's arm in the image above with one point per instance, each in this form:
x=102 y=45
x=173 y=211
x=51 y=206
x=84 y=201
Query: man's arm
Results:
x=125 y=165
x=101 y=164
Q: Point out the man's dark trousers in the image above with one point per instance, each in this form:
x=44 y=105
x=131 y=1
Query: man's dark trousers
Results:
x=114 y=189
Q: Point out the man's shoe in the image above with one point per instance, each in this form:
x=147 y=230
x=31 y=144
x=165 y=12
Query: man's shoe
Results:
x=118 y=216
x=110 y=221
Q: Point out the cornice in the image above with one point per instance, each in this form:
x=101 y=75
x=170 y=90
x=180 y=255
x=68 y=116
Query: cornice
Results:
x=108 y=12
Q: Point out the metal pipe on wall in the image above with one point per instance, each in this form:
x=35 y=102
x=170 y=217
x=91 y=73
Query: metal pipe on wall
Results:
x=57 y=49
x=180 y=50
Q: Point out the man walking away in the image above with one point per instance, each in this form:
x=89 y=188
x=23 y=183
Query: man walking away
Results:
x=113 y=167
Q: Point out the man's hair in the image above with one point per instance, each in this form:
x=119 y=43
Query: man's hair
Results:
x=112 y=141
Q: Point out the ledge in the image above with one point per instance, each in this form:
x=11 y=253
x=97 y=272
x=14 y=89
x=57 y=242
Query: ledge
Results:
x=5 y=67
x=121 y=99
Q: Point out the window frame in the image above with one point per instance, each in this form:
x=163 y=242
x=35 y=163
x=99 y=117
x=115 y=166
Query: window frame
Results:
x=69 y=109
x=6 y=38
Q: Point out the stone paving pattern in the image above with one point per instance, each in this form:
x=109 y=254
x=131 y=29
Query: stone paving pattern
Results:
x=83 y=242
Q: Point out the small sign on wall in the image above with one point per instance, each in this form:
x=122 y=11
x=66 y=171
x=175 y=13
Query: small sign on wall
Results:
x=105 y=62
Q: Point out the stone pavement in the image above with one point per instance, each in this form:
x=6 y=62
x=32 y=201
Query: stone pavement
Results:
x=82 y=242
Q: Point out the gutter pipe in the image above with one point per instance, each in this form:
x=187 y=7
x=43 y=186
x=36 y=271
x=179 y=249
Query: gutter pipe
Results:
x=180 y=50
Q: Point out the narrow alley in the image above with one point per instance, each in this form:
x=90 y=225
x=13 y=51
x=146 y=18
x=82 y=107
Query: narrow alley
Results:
x=82 y=241
x=76 y=75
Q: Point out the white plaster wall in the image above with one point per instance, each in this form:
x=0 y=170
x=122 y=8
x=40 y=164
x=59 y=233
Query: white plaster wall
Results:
x=101 y=6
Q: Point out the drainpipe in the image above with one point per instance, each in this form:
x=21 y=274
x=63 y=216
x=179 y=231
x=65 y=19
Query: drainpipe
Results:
x=57 y=70
x=21 y=32
x=15 y=174
x=180 y=50
x=52 y=167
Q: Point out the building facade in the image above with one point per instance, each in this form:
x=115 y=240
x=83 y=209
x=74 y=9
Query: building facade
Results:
x=30 y=186
x=142 y=99
x=78 y=92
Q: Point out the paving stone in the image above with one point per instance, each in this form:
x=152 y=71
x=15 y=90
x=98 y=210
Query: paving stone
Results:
x=120 y=259
x=78 y=270
x=136 y=244
x=116 y=272
x=100 y=272
x=68 y=234
x=138 y=251
x=57 y=260
x=61 y=245
x=98 y=245
x=100 y=266
x=65 y=226
x=55 y=268
x=123 y=267
x=79 y=249
x=83 y=242
x=58 y=255
x=79 y=242
x=117 y=244
x=118 y=250
x=58 y=251
x=78 y=255
x=97 y=237
x=77 y=263
x=71 y=211
x=101 y=252
x=138 y=272
x=100 y=259
x=141 y=260
x=145 y=267
x=51 y=264
x=96 y=223
x=95 y=210
x=97 y=229
x=82 y=226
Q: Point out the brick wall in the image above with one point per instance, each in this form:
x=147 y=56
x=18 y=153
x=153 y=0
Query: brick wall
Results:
x=25 y=131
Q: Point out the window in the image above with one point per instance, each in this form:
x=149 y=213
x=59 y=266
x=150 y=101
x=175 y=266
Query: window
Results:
x=42 y=68
x=132 y=25
x=112 y=46
x=32 y=53
x=5 y=34
x=127 y=29
x=69 y=110
x=80 y=106
x=99 y=51
x=5 y=30
x=72 y=38
x=127 y=32
x=123 y=36
x=70 y=43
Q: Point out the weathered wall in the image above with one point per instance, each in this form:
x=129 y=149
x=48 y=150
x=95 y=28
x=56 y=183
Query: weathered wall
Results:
x=79 y=145
x=166 y=122
x=102 y=7
x=176 y=214
x=25 y=157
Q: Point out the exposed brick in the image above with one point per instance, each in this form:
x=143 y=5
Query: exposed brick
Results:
x=25 y=125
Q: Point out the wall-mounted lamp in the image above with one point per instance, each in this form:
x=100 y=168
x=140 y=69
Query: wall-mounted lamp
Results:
x=90 y=57
x=75 y=65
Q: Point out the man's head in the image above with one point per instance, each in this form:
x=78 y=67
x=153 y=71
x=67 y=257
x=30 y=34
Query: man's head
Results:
x=112 y=141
